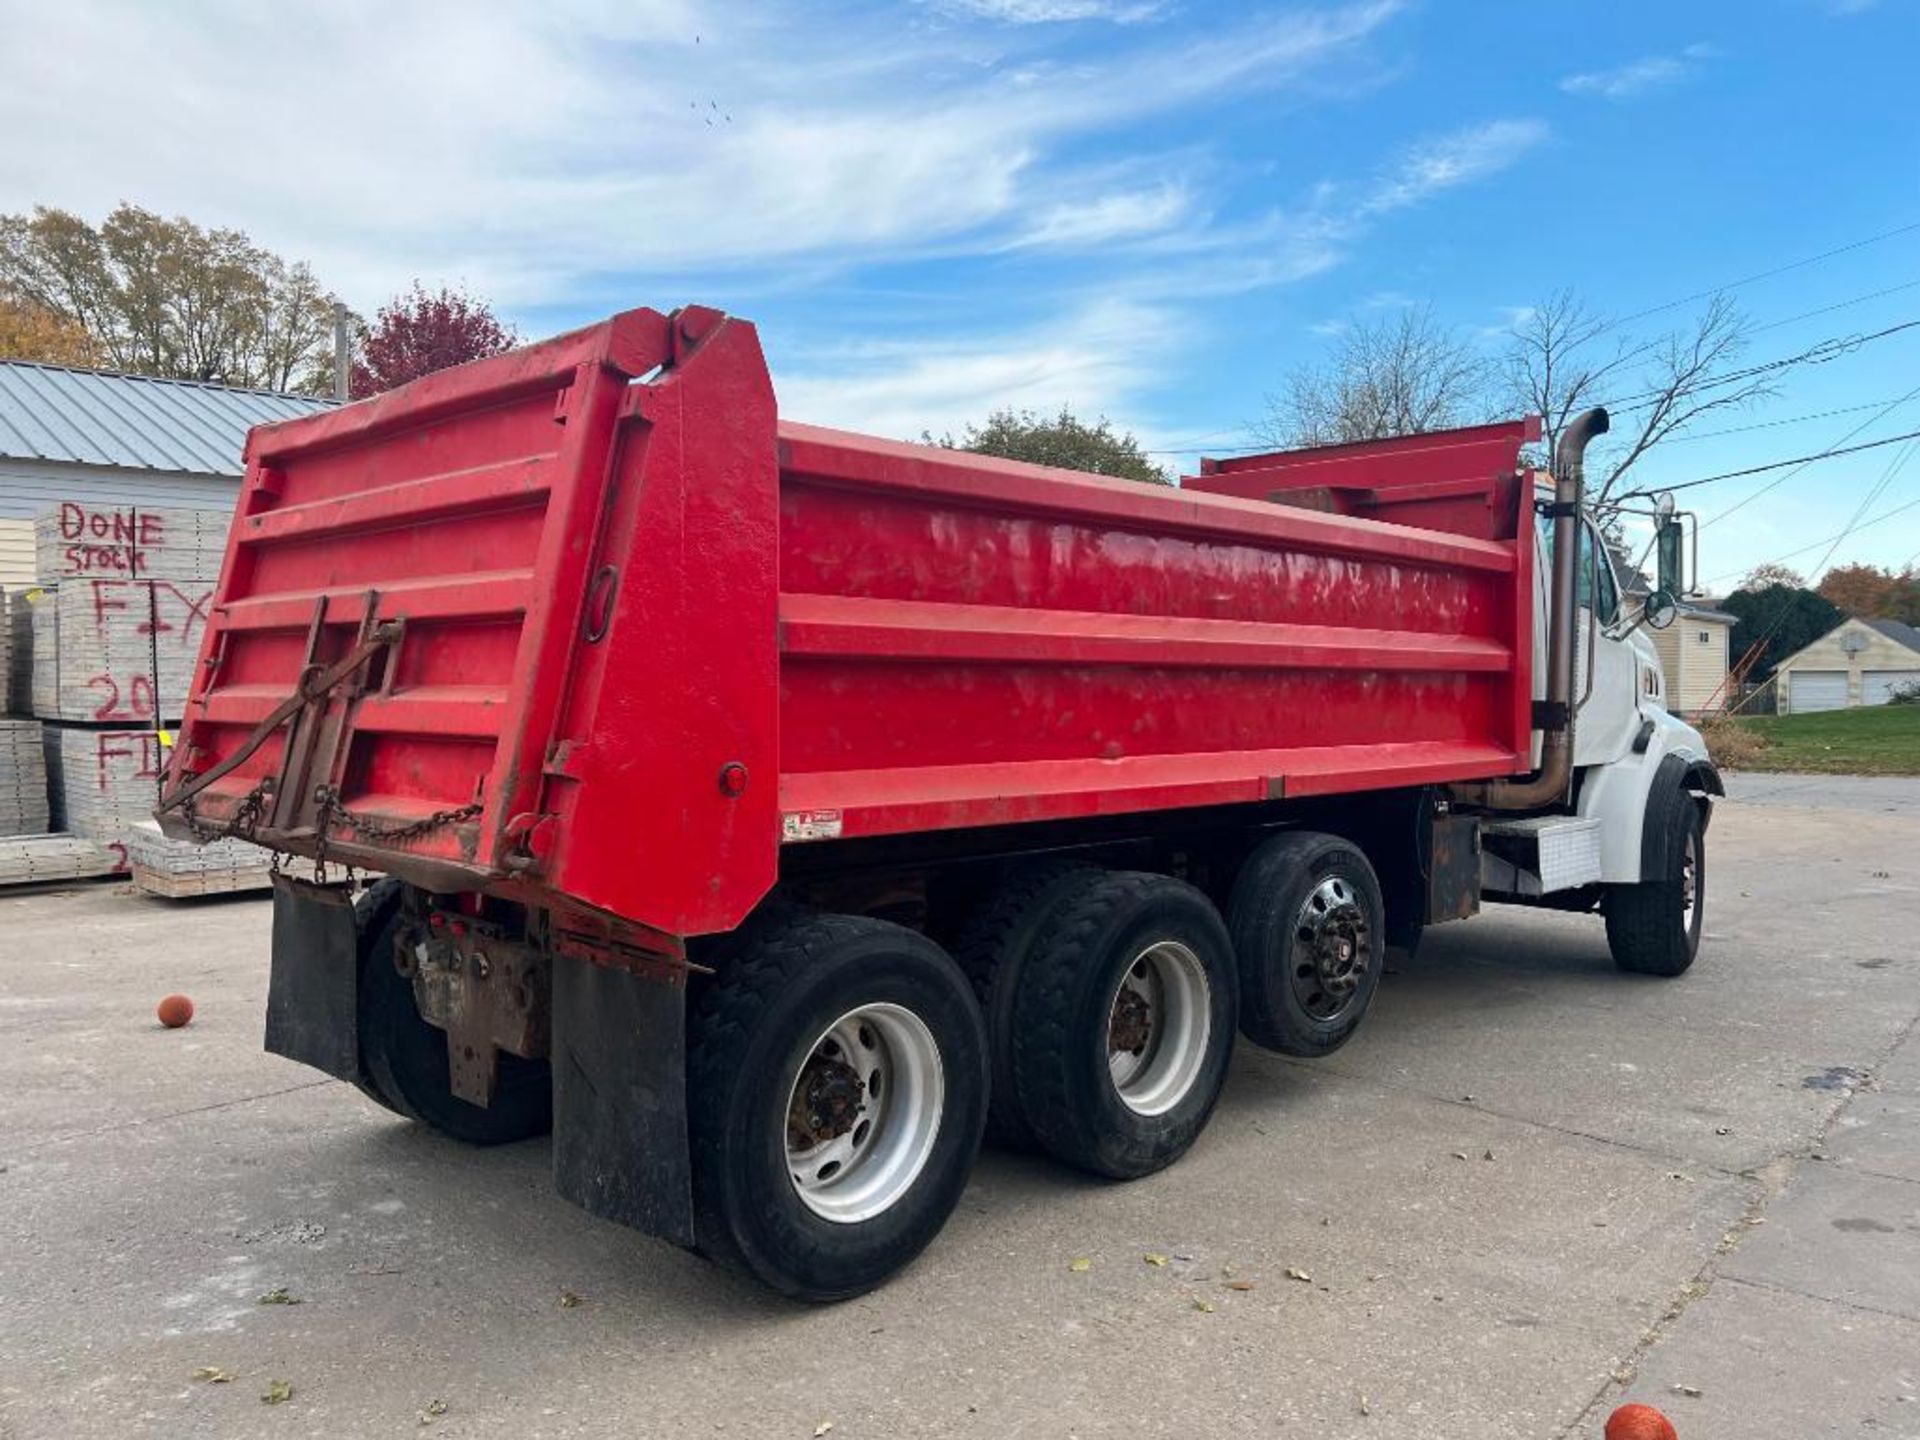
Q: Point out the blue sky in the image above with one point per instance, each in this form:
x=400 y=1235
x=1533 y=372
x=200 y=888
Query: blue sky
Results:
x=1147 y=209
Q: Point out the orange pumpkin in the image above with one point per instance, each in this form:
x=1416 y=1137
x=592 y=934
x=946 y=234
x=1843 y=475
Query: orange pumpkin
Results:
x=1639 y=1422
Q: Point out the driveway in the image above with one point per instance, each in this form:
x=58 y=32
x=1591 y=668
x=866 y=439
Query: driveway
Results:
x=1530 y=1188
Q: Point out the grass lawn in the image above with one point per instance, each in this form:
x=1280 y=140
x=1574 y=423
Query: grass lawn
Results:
x=1883 y=740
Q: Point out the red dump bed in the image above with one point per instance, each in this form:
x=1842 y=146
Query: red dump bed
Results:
x=585 y=624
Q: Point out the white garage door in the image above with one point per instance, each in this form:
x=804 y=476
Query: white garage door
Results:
x=1811 y=690
x=1877 y=686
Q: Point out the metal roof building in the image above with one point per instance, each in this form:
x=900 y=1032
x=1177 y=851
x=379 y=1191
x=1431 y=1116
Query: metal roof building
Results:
x=103 y=439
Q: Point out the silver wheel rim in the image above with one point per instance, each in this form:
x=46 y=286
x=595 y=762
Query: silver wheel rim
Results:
x=1689 y=884
x=863 y=1113
x=1158 y=1025
x=1333 y=947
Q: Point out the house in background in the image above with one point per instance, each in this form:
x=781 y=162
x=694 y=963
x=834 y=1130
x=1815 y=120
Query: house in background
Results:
x=1859 y=662
x=105 y=441
x=1693 y=654
x=1693 y=650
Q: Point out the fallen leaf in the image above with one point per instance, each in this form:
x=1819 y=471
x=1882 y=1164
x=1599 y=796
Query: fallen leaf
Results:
x=1205 y=1307
x=568 y=1300
x=1363 y=1406
x=1459 y=1154
x=1692 y=1392
x=433 y=1411
x=1157 y=1261
x=278 y=1392
x=1302 y=1276
x=1487 y=1156
x=1080 y=1265
x=213 y=1375
x=279 y=1295
x=1239 y=1285
x=822 y=1428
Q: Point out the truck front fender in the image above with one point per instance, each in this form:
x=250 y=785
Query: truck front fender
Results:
x=1621 y=792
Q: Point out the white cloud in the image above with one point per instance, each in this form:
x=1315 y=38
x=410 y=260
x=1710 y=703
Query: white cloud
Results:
x=1100 y=360
x=1041 y=12
x=1450 y=160
x=1638 y=77
x=1124 y=215
x=535 y=152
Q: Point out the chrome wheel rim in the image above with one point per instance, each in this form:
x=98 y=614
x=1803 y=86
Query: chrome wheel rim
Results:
x=1158 y=1024
x=863 y=1113
x=1689 y=883
x=1333 y=949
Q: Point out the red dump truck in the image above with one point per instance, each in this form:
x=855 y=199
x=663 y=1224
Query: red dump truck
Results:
x=769 y=810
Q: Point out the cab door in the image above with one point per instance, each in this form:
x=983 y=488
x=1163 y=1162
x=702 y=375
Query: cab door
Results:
x=1606 y=672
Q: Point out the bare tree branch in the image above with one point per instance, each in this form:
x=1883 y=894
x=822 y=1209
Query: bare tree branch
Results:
x=1401 y=375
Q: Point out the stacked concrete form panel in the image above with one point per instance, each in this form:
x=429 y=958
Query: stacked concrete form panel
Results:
x=114 y=629
x=174 y=871
x=116 y=651
x=7 y=688
x=93 y=542
x=23 y=779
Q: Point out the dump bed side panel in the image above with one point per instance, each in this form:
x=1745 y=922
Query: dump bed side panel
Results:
x=969 y=641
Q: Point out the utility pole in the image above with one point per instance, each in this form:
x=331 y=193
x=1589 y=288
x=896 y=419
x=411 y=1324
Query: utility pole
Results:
x=342 y=353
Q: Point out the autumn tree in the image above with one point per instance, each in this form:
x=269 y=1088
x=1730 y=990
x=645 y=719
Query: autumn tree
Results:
x=1883 y=594
x=1564 y=358
x=168 y=297
x=1063 y=440
x=420 y=332
x=33 y=332
x=1400 y=375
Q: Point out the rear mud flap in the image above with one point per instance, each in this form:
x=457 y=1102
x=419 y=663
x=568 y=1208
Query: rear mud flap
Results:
x=620 y=1098
x=313 y=997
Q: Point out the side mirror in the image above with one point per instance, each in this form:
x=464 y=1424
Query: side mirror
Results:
x=1669 y=545
x=1660 y=609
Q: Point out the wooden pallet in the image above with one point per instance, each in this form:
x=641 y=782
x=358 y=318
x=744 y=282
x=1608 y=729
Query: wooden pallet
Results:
x=190 y=884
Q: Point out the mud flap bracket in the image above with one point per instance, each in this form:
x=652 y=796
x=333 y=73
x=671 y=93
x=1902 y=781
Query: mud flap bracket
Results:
x=620 y=1097
x=313 y=995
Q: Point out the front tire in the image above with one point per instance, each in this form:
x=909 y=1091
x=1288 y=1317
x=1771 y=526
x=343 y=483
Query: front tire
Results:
x=1653 y=928
x=1123 y=1022
x=837 y=1073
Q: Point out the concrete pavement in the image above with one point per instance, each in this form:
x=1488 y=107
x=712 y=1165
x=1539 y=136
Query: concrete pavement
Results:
x=1652 y=1213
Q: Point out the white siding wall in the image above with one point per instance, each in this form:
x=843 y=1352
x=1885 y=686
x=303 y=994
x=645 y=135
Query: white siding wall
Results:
x=16 y=553
x=30 y=487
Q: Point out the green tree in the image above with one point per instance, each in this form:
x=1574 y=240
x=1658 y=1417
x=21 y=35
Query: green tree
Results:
x=1063 y=441
x=1787 y=617
x=168 y=297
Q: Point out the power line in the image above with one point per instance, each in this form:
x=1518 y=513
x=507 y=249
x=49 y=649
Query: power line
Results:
x=1866 y=424
x=1776 y=465
x=1831 y=348
x=1774 y=424
x=1823 y=540
x=1763 y=275
x=1837 y=305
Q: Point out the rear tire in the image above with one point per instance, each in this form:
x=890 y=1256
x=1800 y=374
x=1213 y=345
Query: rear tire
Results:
x=992 y=951
x=1124 y=957
x=1653 y=928
x=836 y=1079
x=1309 y=934
x=405 y=1059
